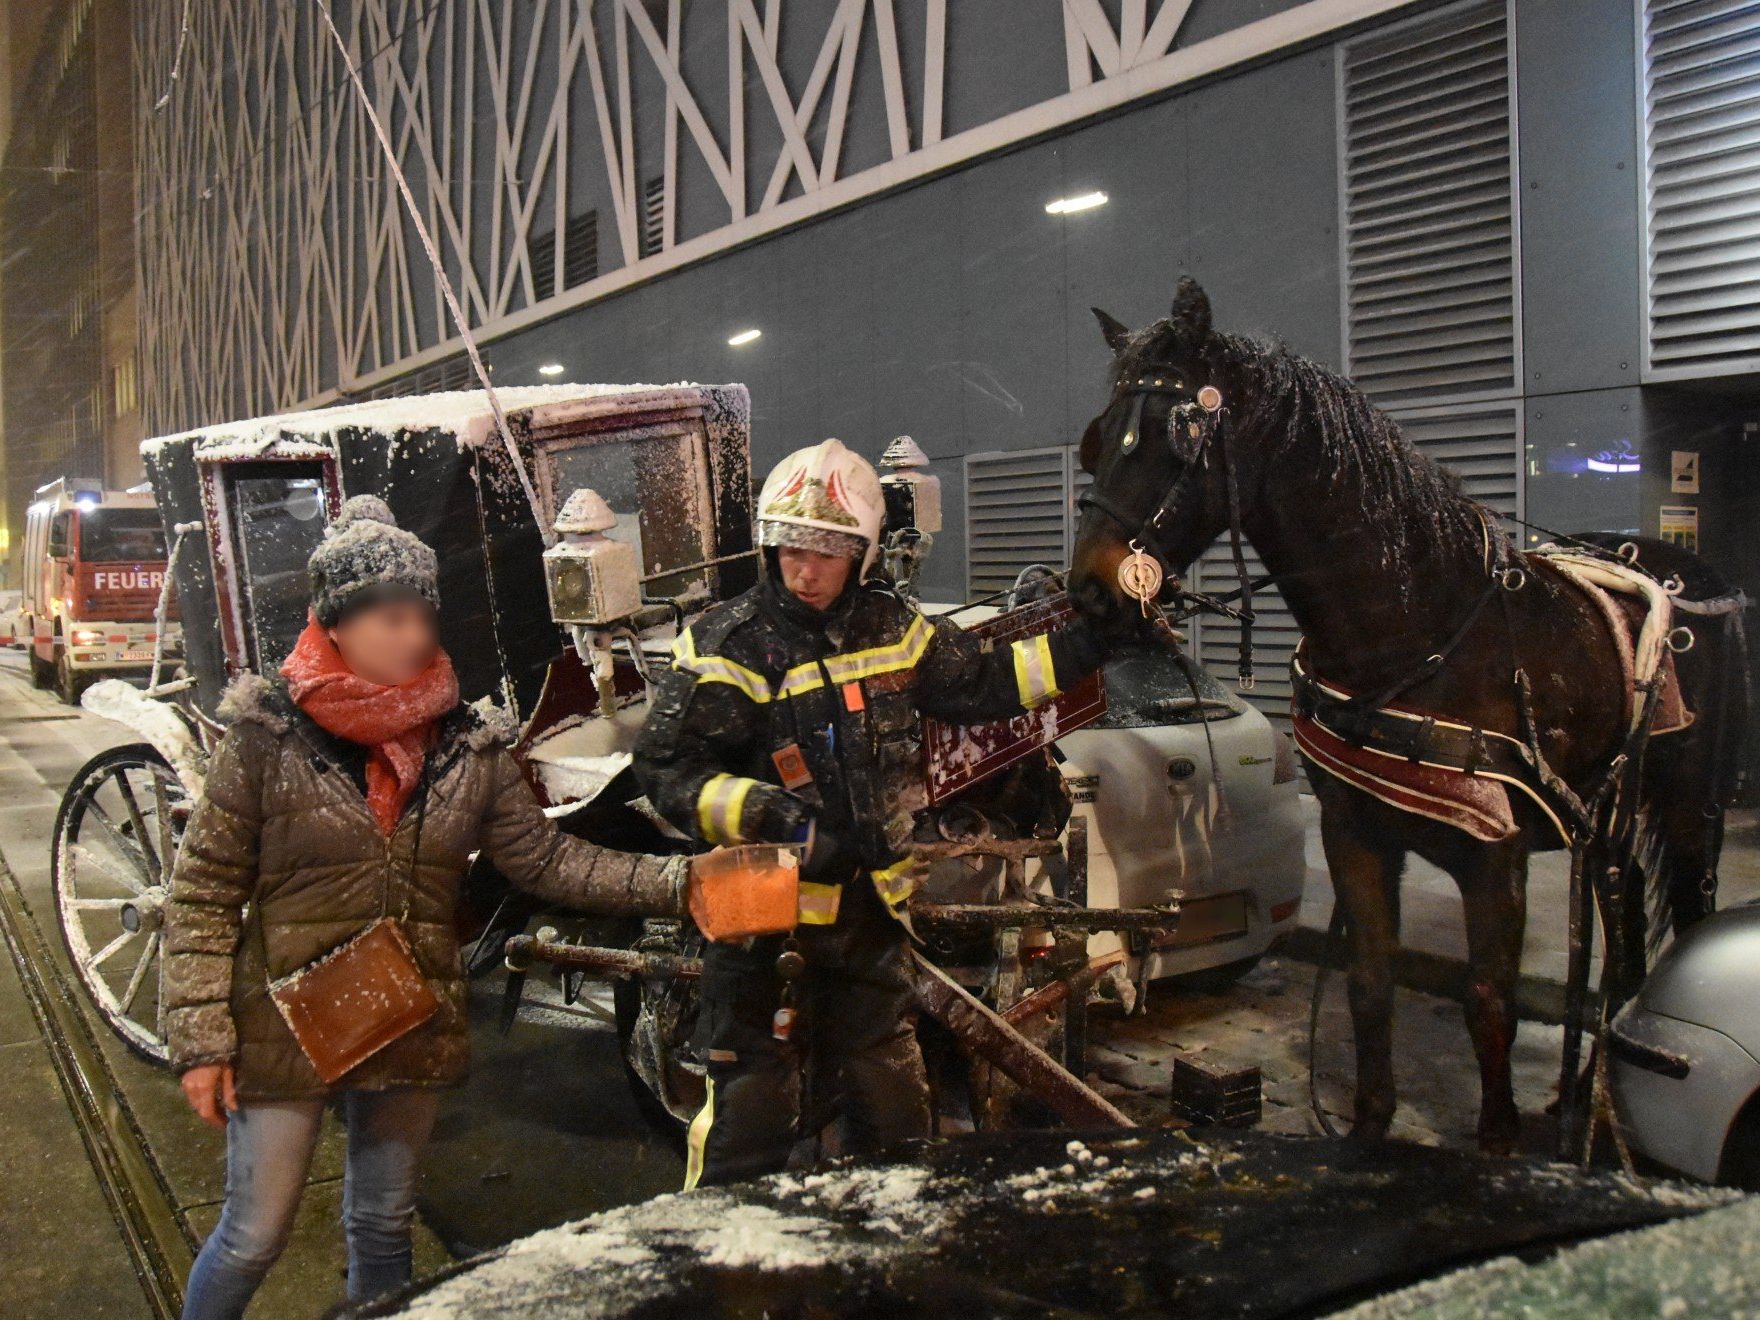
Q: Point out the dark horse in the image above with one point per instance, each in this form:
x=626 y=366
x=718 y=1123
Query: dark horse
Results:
x=1384 y=562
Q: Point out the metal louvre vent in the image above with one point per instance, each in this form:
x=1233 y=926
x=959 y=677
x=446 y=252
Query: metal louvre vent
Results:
x=1482 y=443
x=653 y=232
x=580 y=255
x=1428 y=218
x=1018 y=512
x=580 y=249
x=1701 y=62
x=1275 y=634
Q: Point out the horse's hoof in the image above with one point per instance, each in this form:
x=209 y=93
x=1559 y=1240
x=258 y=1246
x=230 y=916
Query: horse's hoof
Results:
x=1500 y=1141
x=1367 y=1131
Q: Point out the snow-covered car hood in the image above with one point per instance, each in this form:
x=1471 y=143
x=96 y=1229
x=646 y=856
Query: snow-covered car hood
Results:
x=1123 y=1221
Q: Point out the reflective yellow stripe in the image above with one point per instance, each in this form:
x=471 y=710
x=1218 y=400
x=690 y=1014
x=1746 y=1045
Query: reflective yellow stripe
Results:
x=719 y=807
x=817 y=904
x=853 y=666
x=897 y=882
x=1035 y=675
x=717 y=669
x=697 y=1137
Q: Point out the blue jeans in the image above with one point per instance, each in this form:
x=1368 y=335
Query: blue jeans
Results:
x=268 y=1155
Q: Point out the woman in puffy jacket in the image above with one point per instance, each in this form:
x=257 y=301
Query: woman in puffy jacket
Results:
x=355 y=788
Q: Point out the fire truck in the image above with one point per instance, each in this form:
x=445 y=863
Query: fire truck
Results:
x=94 y=565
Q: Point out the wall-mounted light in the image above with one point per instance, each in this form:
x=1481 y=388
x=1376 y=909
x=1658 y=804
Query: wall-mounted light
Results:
x=743 y=337
x=551 y=369
x=1085 y=202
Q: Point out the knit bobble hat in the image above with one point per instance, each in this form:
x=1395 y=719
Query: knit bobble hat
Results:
x=365 y=550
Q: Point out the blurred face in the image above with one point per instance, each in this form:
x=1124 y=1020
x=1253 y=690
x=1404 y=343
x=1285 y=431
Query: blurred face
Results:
x=388 y=642
x=813 y=577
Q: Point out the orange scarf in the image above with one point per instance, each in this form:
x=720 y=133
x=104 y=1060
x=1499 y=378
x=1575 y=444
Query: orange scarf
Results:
x=394 y=724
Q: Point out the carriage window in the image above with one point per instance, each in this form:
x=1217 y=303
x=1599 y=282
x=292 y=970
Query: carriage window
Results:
x=657 y=485
x=276 y=520
x=115 y=536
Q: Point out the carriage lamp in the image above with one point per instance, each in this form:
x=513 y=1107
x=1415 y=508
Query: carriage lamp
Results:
x=913 y=512
x=593 y=583
x=592 y=580
x=913 y=496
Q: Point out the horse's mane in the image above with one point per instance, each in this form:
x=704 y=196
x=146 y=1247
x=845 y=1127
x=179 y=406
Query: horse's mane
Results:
x=1300 y=411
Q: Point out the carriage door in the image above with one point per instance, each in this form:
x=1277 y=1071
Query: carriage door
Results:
x=271 y=516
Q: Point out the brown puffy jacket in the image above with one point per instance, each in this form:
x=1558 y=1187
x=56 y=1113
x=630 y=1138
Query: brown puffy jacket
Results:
x=283 y=826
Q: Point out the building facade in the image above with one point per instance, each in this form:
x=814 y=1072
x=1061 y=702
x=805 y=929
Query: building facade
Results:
x=69 y=372
x=1529 y=228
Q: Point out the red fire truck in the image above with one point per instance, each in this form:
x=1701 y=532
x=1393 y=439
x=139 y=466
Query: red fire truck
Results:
x=94 y=561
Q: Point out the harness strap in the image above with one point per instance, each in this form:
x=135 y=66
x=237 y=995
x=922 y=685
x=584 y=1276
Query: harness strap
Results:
x=1443 y=744
x=1431 y=664
x=1244 y=670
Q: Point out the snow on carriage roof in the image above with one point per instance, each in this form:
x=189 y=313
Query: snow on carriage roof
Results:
x=466 y=413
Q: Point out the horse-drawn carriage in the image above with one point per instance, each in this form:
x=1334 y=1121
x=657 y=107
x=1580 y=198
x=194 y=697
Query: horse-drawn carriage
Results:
x=244 y=505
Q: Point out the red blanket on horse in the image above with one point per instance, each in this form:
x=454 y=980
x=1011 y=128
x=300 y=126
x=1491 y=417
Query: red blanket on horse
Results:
x=1479 y=802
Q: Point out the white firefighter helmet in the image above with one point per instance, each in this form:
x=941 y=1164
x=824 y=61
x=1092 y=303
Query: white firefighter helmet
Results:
x=823 y=498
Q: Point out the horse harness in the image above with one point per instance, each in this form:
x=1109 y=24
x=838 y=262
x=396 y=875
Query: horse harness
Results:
x=1369 y=720
x=1200 y=415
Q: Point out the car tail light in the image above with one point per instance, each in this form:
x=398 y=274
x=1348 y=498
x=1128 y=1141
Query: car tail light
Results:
x=1285 y=768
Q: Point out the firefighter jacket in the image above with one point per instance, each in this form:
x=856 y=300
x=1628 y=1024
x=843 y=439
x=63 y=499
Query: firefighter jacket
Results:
x=775 y=715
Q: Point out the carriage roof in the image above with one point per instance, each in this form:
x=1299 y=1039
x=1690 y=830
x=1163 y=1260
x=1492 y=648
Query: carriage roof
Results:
x=254 y=496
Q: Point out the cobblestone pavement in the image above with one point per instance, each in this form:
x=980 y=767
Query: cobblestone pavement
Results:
x=1263 y=1020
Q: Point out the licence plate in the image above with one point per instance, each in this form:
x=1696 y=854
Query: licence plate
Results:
x=1202 y=920
x=137 y=655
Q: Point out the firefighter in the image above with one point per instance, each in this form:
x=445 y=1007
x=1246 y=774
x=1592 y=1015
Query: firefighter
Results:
x=791 y=714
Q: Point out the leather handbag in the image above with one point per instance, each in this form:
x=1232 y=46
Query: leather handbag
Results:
x=363 y=994
x=356 y=999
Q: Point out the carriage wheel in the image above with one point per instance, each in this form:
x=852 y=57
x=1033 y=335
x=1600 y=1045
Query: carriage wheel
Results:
x=116 y=837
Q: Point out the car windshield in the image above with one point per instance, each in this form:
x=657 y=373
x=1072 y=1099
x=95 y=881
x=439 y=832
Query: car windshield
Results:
x=114 y=536
x=1147 y=685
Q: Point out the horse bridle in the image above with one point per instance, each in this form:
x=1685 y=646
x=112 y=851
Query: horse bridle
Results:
x=1189 y=408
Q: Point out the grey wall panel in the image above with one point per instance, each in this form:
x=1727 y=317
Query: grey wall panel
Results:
x=1263 y=193
x=1126 y=256
x=1010 y=53
x=1209 y=18
x=1577 y=141
x=1013 y=385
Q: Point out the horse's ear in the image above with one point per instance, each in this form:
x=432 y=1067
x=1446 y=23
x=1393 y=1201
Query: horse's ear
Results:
x=1116 y=333
x=1191 y=310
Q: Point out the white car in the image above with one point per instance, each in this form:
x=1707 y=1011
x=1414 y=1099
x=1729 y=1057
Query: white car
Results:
x=1190 y=796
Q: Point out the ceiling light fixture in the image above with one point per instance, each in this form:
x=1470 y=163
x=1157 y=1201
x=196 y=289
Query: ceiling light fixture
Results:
x=1066 y=205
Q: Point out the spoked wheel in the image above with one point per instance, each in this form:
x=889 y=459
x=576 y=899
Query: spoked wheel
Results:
x=116 y=837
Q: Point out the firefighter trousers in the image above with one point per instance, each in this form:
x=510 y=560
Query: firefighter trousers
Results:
x=853 y=1045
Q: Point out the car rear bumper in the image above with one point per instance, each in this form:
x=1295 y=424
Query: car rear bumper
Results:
x=119 y=649
x=1262 y=860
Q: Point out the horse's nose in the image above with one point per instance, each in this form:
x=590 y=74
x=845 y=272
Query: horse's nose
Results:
x=1092 y=598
